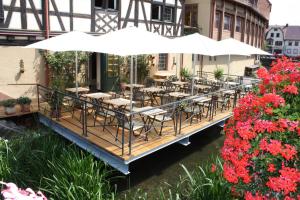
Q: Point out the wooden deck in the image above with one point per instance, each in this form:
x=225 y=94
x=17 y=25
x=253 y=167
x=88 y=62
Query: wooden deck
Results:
x=33 y=109
x=140 y=147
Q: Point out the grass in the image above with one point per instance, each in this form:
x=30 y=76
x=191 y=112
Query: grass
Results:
x=46 y=162
x=199 y=184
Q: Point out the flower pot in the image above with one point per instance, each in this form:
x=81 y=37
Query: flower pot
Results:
x=10 y=110
x=25 y=107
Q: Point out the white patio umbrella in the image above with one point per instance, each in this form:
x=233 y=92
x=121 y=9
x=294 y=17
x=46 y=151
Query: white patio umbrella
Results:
x=194 y=44
x=231 y=46
x=130 y=42
x=71 y=41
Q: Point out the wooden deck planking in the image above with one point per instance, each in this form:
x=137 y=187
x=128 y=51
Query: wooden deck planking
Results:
x=106 y=141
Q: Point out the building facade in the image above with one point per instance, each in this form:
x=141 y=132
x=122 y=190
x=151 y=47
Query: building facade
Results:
x=25 y=21
x=243 y=20
x=275 y=40
x=283 y=40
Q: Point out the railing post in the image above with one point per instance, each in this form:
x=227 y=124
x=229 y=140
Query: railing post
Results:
x=56 y=105
x=38 y=96
x=84 y=121
x=130 y=133
x=123 y=132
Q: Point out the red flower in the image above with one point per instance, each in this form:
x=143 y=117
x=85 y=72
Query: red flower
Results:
x=213 y=168
x=257 y=196
x=271 y=168
x=292 y=89
x=288 y=152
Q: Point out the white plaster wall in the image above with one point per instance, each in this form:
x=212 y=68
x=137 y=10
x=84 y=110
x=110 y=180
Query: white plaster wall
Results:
x=80 y=24
x=124 y=8
x=82 y=6
x=9 y=65
x=15 y=22
x=32 y=23
x=62 y=5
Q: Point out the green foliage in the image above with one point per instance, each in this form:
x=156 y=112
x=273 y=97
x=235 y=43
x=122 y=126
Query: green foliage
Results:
x=218 y=73
x=45 y=162
x=62 y=66
x=24 y=100
x=9 y=103
x=142 y=67
x=185 y=74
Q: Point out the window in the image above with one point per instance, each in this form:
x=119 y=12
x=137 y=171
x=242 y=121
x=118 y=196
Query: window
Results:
x=278 y=43
x=112 y=4
x=290 y=43
x=112 y=65
x=296 y=44
x=1 y=11
x=227 y=22
x=277 y=34
x=288 y=51
x=107 y=4
x=295 y=51
x=155 y=12
x=191 y=15
x=275 y=29
x=272 y=34
x=99 y=3
x=163 y=61
x=168 y=14
x=270 y=42
x=217 y=20
x=238 y=27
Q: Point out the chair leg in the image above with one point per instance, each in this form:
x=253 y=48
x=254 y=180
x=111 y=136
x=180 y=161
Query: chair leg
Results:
x=117 y=133
x=104 y=122
x=161 y=127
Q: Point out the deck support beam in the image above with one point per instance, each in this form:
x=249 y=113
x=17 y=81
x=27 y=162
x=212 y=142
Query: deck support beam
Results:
x=185 y=141
x=106 y=157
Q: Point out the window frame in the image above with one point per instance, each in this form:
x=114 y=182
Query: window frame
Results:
x=106 y=5
x=229 y=22
x=296 y=43
x=290 y=43
x=159 y=12
x=171 y=15
x=272 y=35
x=191 y=15
x=277 y=35
x=217 y=19
x=162 y=62
x=240 y=19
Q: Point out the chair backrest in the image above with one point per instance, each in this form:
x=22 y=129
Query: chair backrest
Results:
x=149 y=82
x=137 y=94
x=173 y=78
x=120 y=116
x=168 y=86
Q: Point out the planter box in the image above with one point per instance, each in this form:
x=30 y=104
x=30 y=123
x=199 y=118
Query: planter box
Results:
x=10 y=110
x=25 y=108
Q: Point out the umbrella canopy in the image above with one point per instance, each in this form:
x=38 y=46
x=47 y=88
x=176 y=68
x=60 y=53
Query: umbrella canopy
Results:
x=194 y=44
x=231 y=46
x=71 y=41
x=131 y=41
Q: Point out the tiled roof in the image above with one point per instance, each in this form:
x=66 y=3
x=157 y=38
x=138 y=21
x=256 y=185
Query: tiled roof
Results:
x=292 y=33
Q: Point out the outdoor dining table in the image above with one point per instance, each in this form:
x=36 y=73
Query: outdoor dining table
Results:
x=231 y=92
x=201 y=99
x=148 y=115
x=134 y=85
x=179 y=84
x=97 y=95
x=80 y=90
x=151 y=91
x=178 y=95
x=118 y=102
x=231 y=83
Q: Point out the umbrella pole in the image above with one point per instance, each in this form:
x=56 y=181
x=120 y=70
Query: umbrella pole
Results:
x=135 y=70
x=193 y=55
x=131 y=82
x=76 y=73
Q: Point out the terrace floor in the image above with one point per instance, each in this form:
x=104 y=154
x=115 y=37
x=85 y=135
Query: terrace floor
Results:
x=140 y=147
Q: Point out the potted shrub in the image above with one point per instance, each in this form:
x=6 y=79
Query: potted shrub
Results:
x=185 y=74
x=218 y=73
x=24 y=103
x=9 y=106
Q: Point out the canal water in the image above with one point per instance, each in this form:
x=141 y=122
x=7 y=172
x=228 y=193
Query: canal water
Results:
x=152 y=172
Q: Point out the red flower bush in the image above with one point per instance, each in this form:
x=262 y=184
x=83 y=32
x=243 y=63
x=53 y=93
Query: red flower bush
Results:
x=262 y=146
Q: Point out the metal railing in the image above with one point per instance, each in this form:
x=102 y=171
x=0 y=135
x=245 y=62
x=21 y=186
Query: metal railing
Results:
x=130 y=129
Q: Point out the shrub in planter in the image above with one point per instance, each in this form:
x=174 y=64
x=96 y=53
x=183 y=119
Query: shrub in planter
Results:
x=185 y=74
x=24 y=103
x=9 y=106
x=262 y=145
x=218 y=73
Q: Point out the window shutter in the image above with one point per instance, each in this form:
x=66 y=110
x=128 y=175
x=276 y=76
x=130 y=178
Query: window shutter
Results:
x=1 y=11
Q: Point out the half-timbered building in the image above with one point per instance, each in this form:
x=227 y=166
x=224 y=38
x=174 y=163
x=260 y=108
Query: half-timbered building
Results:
x=26 y=21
